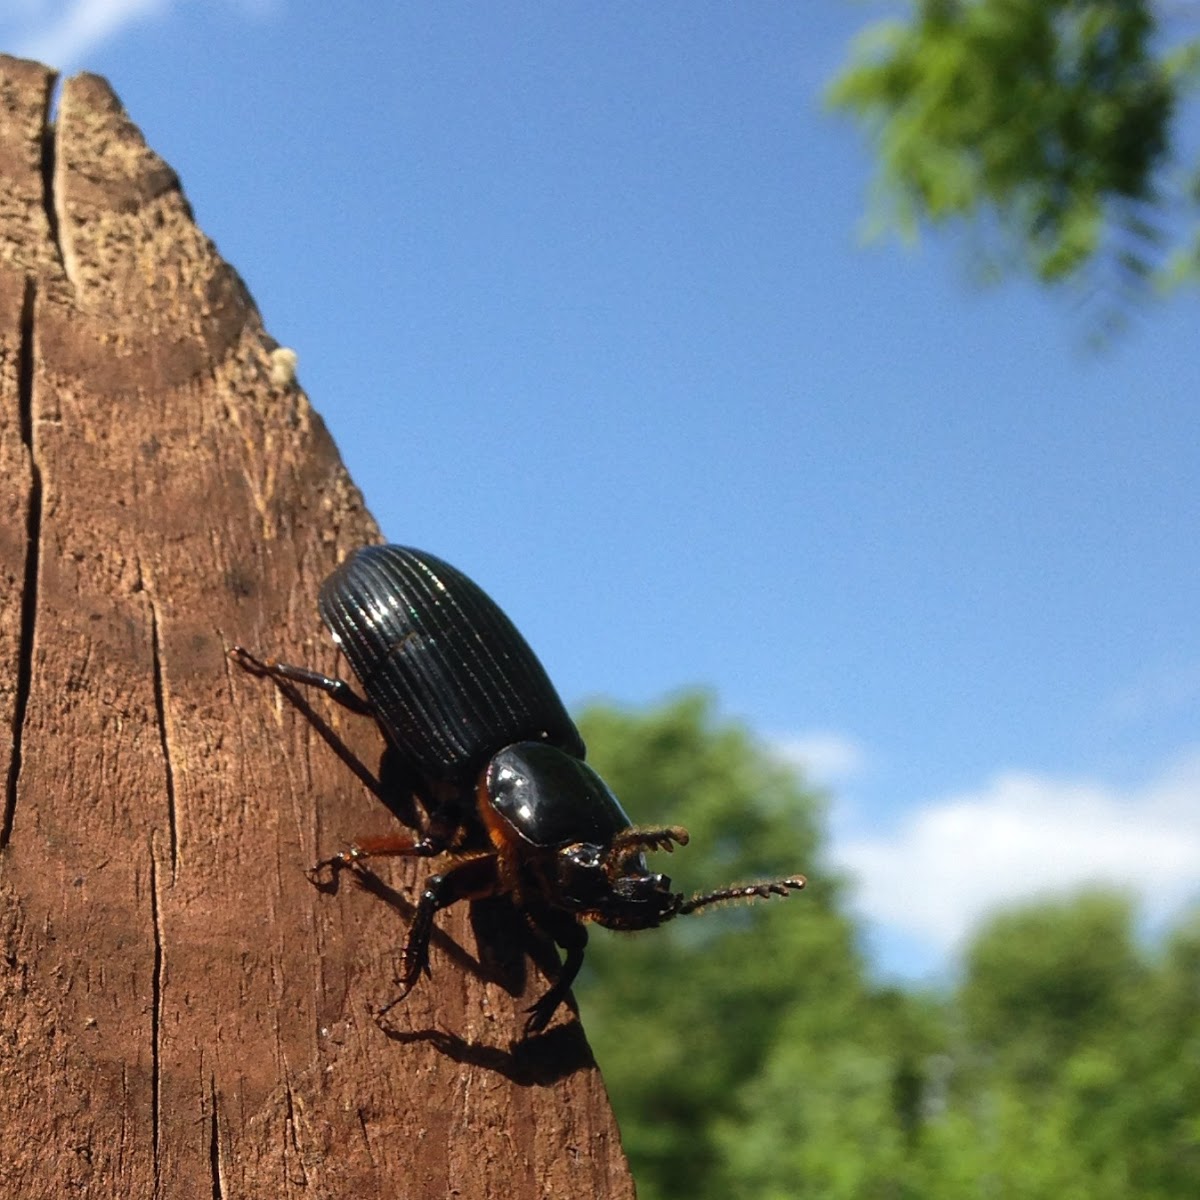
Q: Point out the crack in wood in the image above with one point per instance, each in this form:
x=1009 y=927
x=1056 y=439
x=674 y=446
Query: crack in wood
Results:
x=33 y=537
x=156 y=1023
x=160 y=708
x=50 y=133
x=214 y=1143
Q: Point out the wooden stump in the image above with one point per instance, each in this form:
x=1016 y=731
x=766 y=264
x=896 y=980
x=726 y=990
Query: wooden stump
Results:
x=181 y=1012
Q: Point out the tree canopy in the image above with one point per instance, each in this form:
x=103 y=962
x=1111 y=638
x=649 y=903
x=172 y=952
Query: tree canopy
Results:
x=1051 y=125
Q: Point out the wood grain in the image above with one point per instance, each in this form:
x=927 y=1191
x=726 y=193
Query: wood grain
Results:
x=181 y=1012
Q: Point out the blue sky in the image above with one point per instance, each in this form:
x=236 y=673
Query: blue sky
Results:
x=581 y=293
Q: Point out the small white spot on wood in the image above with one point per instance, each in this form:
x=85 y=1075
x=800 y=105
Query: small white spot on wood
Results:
x=283 y=366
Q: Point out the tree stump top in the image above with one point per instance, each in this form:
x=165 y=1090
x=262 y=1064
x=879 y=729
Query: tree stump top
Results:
x=182 y=1012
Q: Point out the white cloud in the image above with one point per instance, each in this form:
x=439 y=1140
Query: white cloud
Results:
x=63 y=33
x=72 y=31
x=1022 y=835
x=824 y=755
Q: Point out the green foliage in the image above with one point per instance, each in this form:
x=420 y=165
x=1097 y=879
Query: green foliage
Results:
x=1052 y=116
x=749 y=1055
x=1044 y=980
x=836 y=1115
x=1156 y=1113
x=1080 y=1069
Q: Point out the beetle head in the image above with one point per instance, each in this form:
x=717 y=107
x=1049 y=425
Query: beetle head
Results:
x=635 y=898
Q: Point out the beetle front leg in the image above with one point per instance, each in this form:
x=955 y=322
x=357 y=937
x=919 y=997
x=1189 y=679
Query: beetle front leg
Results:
x=665 y=838
x=633 y=841
x=572 y=936
x=474 y=879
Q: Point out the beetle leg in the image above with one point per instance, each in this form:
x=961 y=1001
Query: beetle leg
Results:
x=473 y=879
x=665 y=838
x=633 y=841
x=572 y=936
x=336 y=689
x=284 y=677
x=386 y=845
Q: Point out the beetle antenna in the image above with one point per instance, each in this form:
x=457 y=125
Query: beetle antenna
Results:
x=752 y=891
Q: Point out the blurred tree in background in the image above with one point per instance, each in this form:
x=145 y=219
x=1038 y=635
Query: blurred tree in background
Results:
x=1051 y=124
x=750 y=1055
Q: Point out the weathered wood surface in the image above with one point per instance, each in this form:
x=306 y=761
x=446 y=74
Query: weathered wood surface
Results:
x=181 y=1012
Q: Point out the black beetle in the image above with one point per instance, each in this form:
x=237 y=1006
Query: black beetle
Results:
x=495 y=761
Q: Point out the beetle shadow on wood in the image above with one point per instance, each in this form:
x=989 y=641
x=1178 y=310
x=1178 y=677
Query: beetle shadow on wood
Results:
x=535 y=1061
x=333 y=740
x=371 y=883
x=505 y=941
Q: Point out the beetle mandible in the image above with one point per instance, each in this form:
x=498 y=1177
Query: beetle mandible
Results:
x=486 y=745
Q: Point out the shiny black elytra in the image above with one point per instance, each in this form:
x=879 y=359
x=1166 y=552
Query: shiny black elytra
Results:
x=496 y=763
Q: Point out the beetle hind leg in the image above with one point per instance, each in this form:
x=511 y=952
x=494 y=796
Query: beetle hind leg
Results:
x=337 y=689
